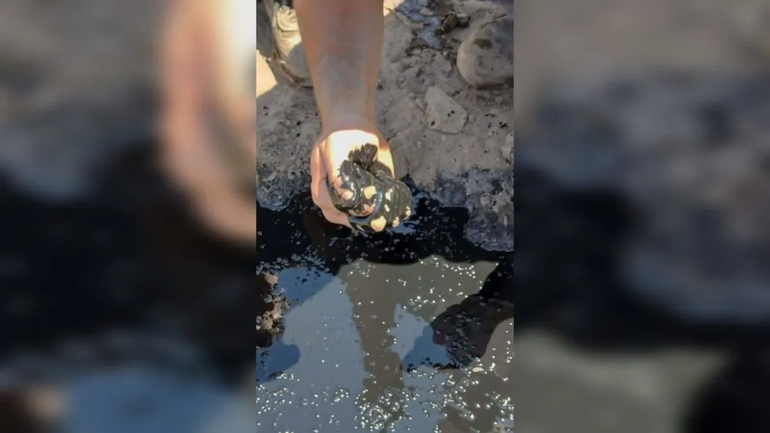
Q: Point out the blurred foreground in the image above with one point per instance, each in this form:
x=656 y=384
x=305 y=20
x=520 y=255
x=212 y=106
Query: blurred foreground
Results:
x=643 y=207
x=126 y=305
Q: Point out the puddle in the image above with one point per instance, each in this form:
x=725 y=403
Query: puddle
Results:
x=140 y=320
x=410 y=330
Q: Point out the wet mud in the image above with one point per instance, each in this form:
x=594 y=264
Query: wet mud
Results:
x=375 y=192
x=410 y=329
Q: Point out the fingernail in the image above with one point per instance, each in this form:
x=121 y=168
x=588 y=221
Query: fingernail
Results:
x=370 y=191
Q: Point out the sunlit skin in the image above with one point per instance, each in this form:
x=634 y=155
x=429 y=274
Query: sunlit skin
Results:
x=206 y=49
x=208 y=46
x=344 y=65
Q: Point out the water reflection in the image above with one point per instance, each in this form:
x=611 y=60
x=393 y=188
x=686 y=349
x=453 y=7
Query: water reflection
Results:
x=358 y=308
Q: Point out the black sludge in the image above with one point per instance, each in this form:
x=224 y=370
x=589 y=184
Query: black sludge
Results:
x=372 y=184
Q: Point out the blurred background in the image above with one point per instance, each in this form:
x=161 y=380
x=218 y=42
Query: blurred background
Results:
x=124 y=305
x=642 y=298
x=642 y=265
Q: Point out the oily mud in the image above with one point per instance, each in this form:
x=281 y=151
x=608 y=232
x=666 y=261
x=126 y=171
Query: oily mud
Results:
x=374 y=190
x=406 y=330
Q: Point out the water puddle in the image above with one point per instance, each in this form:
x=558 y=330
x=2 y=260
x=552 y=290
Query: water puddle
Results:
x=139 y=319
x=406 y=331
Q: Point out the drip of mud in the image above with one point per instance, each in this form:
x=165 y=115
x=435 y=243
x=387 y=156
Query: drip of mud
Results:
x=408 y=330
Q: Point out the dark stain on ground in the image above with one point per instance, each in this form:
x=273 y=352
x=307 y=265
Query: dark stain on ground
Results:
x=361 y=311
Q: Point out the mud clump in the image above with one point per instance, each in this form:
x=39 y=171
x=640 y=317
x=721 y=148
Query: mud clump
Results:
x=373 y=186
x=270 y=307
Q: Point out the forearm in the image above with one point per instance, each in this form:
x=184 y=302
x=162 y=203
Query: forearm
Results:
x=343 y=44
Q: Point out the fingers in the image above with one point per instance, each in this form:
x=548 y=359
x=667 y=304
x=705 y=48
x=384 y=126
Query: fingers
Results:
x=320 y=192
x=392 y=204
x=346 y=145
x=354 y=184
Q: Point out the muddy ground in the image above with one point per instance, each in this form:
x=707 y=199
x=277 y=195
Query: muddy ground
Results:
x=410 y=330
x=473 y=168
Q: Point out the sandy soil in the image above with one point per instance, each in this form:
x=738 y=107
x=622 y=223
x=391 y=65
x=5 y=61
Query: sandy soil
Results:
x=464 y=169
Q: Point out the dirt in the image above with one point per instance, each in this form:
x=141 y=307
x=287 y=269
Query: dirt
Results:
x=463 y=169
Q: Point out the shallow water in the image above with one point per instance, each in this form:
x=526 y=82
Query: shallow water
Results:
x=410 y=330
x=139 y=319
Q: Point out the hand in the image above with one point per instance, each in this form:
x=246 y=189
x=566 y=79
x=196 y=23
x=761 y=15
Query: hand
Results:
x=355 y=160
x=207 y=121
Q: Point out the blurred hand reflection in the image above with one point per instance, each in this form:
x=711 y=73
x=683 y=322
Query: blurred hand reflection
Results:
x=207 y=117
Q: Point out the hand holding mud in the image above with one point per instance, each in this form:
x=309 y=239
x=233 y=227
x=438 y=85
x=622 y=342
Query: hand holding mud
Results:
x=353 y=181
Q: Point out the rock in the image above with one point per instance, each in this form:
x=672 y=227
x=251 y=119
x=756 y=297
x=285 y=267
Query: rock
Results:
x=452 y=21
x=463 y=20
x=444 y=114
x=507 y=149
x=427 y=12
x=485 y=58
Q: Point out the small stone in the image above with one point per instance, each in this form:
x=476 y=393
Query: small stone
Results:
x=427 y=12
x=444 y=114
x=485 y=58
x=420 y=103
x=507 y=148
x=477 y=369
x=463 y=20
x=448 y=24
